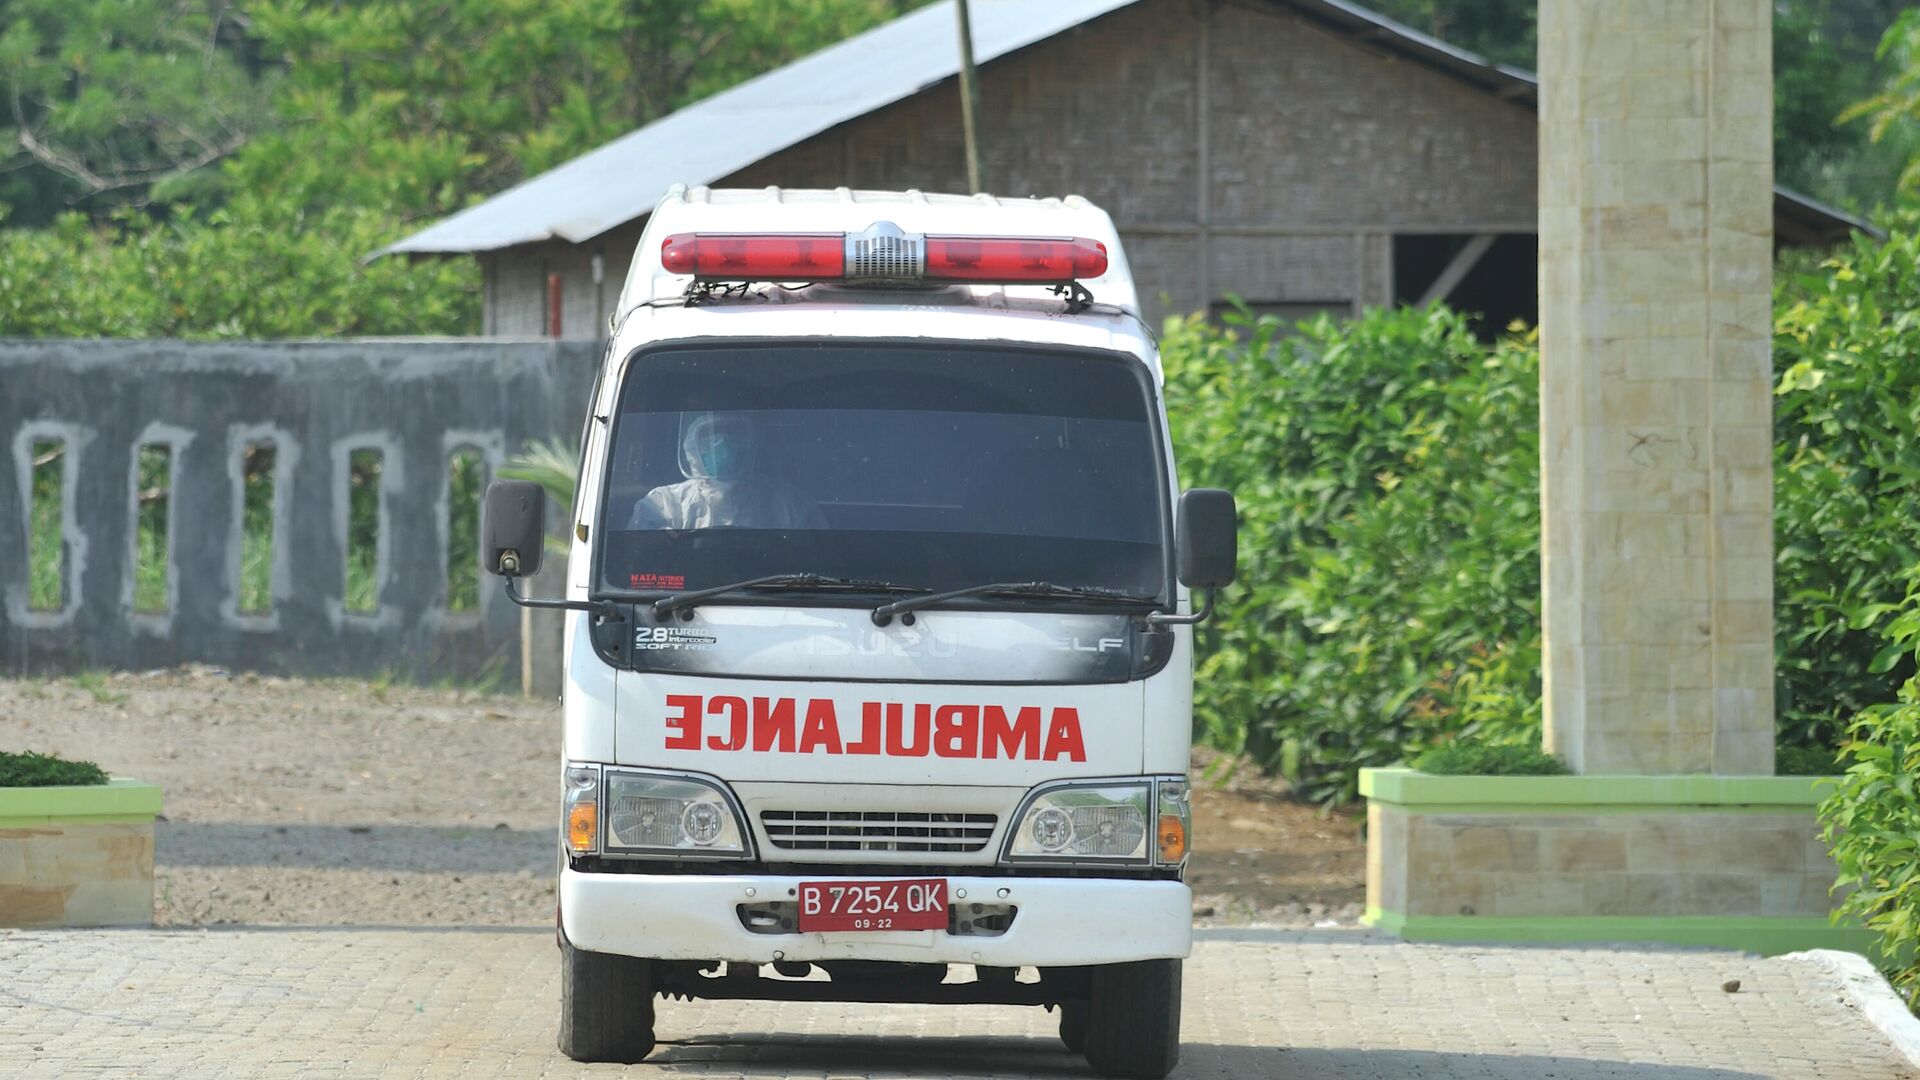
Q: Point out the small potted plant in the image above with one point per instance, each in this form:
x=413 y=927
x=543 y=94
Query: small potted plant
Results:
x=76 y=846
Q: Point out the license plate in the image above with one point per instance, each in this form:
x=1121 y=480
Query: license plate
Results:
x=919 y=904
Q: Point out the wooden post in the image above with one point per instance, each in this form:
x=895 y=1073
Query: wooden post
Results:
x=556 y=286
x=970 y=102
x=531 y=636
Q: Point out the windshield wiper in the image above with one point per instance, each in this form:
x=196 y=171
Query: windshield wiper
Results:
x=667 y=605
x=884 y=614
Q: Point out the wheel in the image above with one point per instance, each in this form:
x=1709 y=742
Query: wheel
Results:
x=1073 y=1027
x=606 y=1006
x=1133 y=1019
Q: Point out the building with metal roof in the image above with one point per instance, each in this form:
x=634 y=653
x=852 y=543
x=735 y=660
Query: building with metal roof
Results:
x=1301 y=155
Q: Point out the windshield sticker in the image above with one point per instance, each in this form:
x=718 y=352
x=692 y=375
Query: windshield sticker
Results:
x=674 y=638
x=788 y=725
x=657 y=581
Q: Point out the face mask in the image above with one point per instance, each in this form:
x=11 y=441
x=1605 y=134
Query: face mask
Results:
x=718 y=458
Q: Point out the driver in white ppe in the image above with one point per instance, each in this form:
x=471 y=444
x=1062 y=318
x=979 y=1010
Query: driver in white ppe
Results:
x=722 y=488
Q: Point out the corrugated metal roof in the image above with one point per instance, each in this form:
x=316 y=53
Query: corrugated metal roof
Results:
x=717 y=137
x=731 y=130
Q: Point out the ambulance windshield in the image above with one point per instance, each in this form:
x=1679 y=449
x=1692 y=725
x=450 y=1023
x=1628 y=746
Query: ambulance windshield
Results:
x=937 y=465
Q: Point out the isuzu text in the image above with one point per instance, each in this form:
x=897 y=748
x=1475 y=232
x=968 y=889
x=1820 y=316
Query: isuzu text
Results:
x=879 y=646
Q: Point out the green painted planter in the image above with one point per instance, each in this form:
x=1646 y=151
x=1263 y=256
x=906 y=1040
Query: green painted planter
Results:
x=1723 y=861
x=77 y=856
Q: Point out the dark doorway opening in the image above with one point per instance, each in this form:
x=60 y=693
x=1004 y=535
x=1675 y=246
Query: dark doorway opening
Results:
x=1493 y=277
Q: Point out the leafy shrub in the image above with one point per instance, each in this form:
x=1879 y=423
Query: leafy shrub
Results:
x=1805 y=761
x=1873 y=820
x=1846 y=482
x=1489 y=759
x=1386 y=470
x=44 y=770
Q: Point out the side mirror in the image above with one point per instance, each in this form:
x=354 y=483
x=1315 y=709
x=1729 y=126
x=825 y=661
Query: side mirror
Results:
x=1206 y=536
x=513 y=528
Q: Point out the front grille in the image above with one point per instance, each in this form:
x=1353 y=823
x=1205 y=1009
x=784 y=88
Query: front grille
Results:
x=876 y=830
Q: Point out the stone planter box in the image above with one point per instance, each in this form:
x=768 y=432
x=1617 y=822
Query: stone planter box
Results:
x=1725 y=861
x=77 y=856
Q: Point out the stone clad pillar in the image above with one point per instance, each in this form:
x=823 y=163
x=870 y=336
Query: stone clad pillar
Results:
x=1656 y=222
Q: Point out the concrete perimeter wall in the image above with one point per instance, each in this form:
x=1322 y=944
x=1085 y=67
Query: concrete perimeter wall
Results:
x=416 y=401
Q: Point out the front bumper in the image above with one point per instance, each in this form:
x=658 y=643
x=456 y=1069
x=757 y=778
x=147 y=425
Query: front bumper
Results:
x=1060 y=922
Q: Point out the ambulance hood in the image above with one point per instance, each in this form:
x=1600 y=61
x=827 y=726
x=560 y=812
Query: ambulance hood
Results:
x=782 y=694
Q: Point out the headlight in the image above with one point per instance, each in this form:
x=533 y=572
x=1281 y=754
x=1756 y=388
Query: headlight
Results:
x=1098 y=821
x=682 y=815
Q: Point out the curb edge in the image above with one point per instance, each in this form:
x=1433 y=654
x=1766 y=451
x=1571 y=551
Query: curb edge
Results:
x=1871 y=994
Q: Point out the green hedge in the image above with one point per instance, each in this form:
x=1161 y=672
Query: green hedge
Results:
x=44 y=770
x=1387 y=470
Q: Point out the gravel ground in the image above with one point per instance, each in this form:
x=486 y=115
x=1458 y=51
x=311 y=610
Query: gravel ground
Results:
x=323 y=802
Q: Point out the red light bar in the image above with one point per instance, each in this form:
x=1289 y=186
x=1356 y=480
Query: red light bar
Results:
x=883 y=254
x=756 y=256
x=1013 y=259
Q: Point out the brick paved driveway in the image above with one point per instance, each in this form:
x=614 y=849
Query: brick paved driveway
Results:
x=1307 y=1004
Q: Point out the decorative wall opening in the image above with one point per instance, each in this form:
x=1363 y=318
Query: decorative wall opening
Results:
x=258 y=477
x=46 y=539
x=363 y=530
x=466 y=480
x=153 y=527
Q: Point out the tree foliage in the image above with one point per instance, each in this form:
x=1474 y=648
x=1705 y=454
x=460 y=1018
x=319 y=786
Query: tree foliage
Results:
x=276 y=143
x=1503 y=31
x=1824 y=61
x=425 y=107
x=1894 y=111
x=110 y=104
x=249 y=269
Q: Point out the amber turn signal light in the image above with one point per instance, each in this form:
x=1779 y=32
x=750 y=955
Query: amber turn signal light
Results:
x=583 y=826
x=1173 y=838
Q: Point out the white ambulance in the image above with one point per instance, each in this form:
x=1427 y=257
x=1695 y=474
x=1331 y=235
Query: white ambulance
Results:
x=879 y=652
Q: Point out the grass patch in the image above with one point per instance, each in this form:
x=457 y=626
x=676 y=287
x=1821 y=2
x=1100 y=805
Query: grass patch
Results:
x=95 y=684
x=44 y=770
x=1480 y=759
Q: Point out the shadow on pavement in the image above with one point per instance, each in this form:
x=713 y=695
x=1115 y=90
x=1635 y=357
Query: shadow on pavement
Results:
x=783 y=1054
x=457 y=849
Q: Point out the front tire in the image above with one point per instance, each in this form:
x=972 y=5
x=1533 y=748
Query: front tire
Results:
x=1133 y=1019
x=606 y=1006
